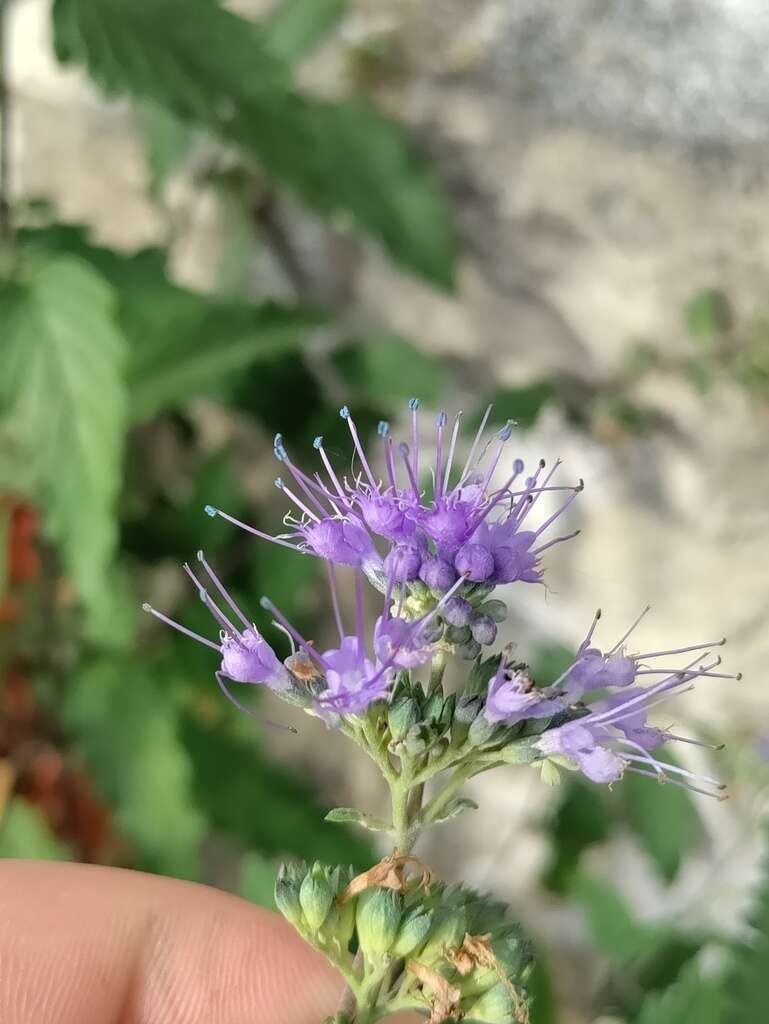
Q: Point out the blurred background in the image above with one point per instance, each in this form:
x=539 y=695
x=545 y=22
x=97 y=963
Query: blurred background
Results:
x=222 y=221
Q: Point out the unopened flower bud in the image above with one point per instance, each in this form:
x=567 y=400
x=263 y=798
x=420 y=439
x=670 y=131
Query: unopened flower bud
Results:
x=412 y=933
x=457 y=612
x=416 y=740
x=496 y=609
x=458 y=634
x=433 y=706
x=465 y=713
x=378 y=919
x=494 y=1007
x=447 y=711
x=401 y=716
x=403 y=563
x=433 y=632
x=474 y=561
x=448 y=930
x=468 y=651
x=484 y=629
x=287 y=900
x=438 y=574
x=315 y=897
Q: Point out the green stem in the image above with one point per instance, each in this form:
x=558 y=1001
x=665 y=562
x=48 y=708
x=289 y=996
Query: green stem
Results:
x=455 y=783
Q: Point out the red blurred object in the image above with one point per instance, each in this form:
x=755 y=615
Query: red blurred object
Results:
x=31 y=746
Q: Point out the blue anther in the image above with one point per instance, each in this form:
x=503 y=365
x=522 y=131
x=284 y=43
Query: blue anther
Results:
x=442 y=419
x=344 y=412
x=518 y=466
x=266 y=603
x=413 y=404
x=383 y=429
x=200 y=556
x=211 y=511
x=146 y=607
x=318 y=442
x=203 y=594
x=506 y=432
x=279 y=483
x=280 y=451
x=403 y=448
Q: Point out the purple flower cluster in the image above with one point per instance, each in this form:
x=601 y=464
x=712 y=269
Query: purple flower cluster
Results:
x=397 y=529
x=605 y=737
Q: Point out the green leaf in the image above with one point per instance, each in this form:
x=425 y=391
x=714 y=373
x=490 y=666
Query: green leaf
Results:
x=214 y=69
x=167 y=142
x=665 y=820
x=522 y=405
x=349 y=815
x=24 y=833
x=692 y=1000
x=580 y=820
x=294 y=28
x=615 y=930
x=388 y=370
x=748 y=984
x=257 y=880
x=454 y=808
x=182 y=343
x=261 y=804
x=126 y=729
x=63 y=412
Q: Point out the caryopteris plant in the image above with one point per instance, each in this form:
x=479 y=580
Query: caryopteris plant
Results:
x=436 y=552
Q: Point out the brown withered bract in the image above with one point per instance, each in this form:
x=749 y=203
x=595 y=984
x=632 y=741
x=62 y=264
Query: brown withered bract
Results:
x=444 y=997
x=388 y=874
x=476 y=951
x=303 y=667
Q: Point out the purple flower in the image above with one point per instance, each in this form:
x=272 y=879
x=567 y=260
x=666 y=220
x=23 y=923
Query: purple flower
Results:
x=246 y=655
x=353 y=681
x=464 y=525
x=513 y=697
x=396 y=640
x=580 y=743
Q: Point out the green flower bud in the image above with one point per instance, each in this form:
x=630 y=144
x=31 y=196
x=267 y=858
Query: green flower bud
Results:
x=447 y=932
x=287 y=900
x=465 y=713
x=412 y=933
x=479 y=592
x=497 y=610
x=457 y=634
x=519 y=752
x=378 y=919
x=401 y=715
x=433 y=632
x=484 y=629
x=315 y=897
x=494 y=1007
x=447 y=712
x=346 y=923
x=481 y=730
x=417 y=740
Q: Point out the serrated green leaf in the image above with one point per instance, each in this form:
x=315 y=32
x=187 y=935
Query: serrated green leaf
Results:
x=212 y=68
x=261 y=804
x=181 y=343
x=747 y=986
x=24 y=833
x=294 y=28
x=351 y=816
x=257 y=880
x=63 y=408
x=664 y=818
x=694 y=999
x=125 y=728
x=373 y=369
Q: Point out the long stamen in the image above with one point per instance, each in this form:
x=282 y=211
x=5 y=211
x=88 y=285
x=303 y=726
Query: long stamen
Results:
x=241 y=707
x=593 y=624
x=479 y=434
x=528 y=497
x=441 y=423
x=306 y=644
x=671 y=682
x=222 y=589
x=205 y=597
x=504 y=436
x=620 y=642
x=180 y=628
x=414 y=406
x=501 y=495
x=297 y=501
x=359 y=612
x=383 y=430
x=665 y=767
x=318 y=446
x=308 y=485
x=211 y=511
x=404 y=450
x=558 y=512
x=683 y=650
x=664 y=780
x=344 y=412
x=335 y=598
x=557 y=540
x=452 y=446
